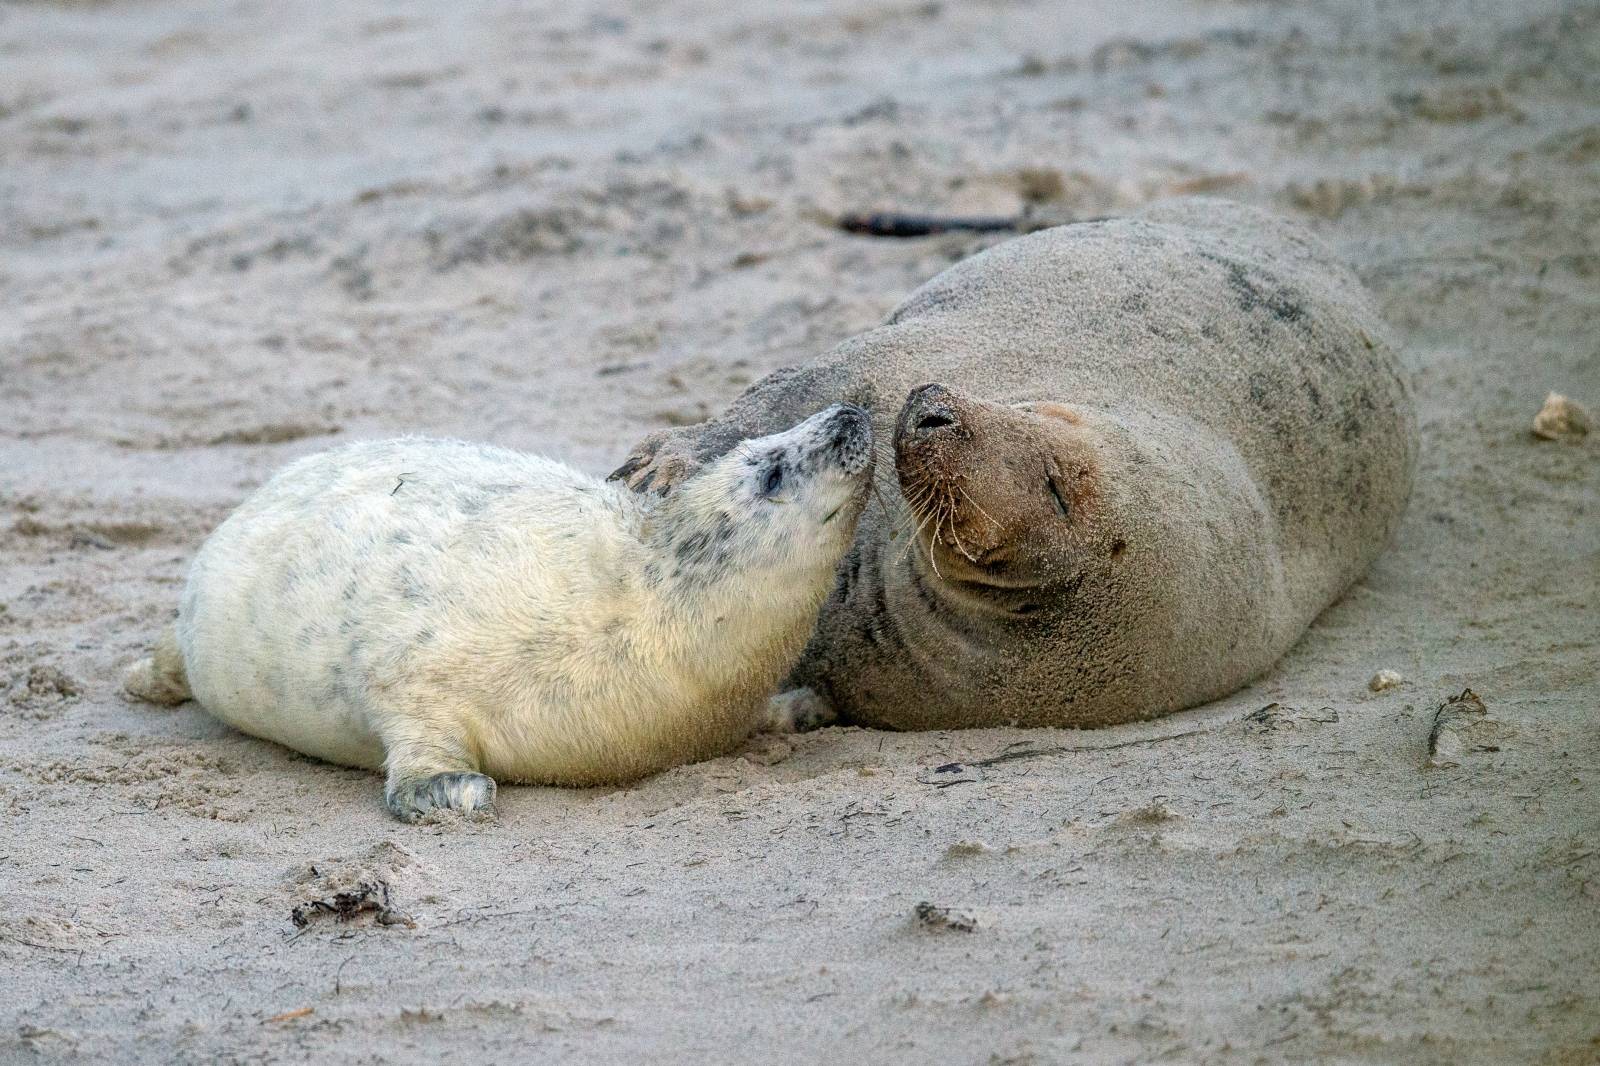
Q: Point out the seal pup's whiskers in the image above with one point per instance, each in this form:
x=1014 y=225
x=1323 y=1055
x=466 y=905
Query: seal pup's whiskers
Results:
x=882 y=467
x=877 y=494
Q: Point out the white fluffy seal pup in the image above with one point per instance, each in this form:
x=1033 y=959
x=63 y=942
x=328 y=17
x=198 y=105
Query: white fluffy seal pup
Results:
x=455 y=613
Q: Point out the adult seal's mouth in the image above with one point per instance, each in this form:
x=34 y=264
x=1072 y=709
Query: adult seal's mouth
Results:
x=930 y=439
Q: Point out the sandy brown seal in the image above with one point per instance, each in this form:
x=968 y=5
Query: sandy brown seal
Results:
x=455 y=613
x=1136 y=458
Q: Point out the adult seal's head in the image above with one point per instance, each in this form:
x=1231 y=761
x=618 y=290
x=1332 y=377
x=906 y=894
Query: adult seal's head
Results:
x=1010 y=500
x=1045 y=568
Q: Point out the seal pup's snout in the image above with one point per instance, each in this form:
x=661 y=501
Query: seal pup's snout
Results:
x=824 y=462
x=929 y=409
x=848 y=432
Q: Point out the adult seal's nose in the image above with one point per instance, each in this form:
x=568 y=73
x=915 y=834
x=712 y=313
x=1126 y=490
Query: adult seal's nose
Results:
x=929 y=409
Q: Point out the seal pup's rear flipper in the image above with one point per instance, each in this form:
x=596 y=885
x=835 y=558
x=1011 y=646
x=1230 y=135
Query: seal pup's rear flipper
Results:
x=159 y=677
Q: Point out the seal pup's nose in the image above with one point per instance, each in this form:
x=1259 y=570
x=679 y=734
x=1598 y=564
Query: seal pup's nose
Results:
x=849 y=435
x=929 y=408
x=847 y=420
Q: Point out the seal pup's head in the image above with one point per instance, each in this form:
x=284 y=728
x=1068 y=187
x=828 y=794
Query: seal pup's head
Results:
x=779 y=505
x=739 y=558
x=1005 y=498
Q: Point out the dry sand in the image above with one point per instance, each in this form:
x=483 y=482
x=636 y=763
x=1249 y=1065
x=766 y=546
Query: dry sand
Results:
x=232 y=233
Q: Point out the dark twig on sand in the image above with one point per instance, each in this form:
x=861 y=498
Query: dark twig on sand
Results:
x=906 y=224
x=898 y=224
x=1030 y=753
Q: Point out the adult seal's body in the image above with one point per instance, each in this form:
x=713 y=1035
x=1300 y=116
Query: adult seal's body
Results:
x=455 y=613
x=1136 y=459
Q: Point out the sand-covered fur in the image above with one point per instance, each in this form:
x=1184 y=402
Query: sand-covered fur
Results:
x=1204 y=387
x=457 y=613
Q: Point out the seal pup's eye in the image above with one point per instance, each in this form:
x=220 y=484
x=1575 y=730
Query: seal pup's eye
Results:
x=1055 y=495
x=773 y=481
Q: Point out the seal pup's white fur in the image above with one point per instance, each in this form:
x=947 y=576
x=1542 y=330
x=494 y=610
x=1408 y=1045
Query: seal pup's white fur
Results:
x=457 y=613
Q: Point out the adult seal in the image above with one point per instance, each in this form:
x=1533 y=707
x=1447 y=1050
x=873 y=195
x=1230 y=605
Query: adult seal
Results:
x=1136 y=458
x=457 y=614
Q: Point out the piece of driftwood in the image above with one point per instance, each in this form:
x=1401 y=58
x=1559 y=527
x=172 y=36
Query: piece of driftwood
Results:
x=912 y=224
x=900 y=224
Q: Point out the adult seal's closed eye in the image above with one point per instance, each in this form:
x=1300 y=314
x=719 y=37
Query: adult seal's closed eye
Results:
x=458 y=614
x=1135 y=460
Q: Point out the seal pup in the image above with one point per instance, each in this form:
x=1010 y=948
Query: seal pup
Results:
x=456 y=614
x=1135 y=459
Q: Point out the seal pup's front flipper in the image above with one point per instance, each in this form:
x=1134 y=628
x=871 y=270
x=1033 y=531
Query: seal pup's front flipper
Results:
x=429 y=770
x=409 y=798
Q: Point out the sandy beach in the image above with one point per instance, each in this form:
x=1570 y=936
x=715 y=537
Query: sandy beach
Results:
x=234 y=234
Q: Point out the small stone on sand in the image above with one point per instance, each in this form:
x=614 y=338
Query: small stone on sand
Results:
x=1384 y=680
x=1561 y=419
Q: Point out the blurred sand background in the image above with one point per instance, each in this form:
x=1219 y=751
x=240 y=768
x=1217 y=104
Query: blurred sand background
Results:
x=234 y=233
